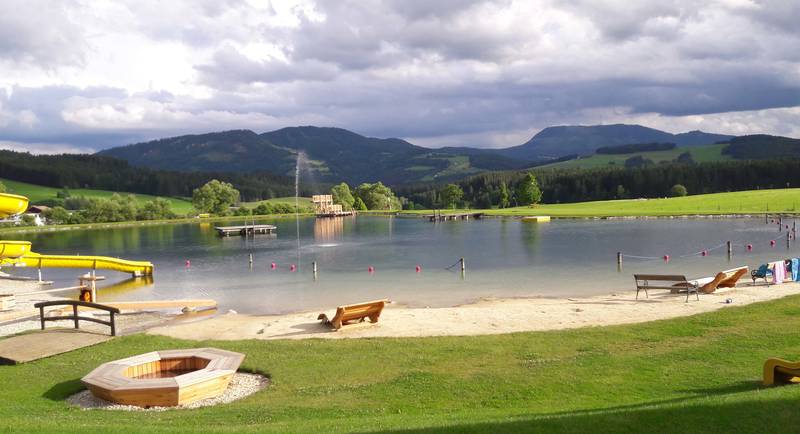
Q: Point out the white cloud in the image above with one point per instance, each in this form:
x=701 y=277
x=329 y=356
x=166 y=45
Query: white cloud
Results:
x=460 y=72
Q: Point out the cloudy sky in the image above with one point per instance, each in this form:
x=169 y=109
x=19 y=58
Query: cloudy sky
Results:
x=87 y=75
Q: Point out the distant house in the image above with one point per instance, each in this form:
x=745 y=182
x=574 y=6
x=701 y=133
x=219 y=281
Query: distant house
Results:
x=37 y=212
x=37 y=209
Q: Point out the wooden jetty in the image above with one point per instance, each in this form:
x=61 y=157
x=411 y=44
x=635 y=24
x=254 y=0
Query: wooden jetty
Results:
x=246 y=230
x=335 y=214
x=445 y=217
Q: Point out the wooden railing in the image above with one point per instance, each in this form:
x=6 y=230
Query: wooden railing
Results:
x=74 y=316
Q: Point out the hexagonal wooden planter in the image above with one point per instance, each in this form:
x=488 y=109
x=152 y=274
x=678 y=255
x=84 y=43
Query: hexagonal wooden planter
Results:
x=164 y=378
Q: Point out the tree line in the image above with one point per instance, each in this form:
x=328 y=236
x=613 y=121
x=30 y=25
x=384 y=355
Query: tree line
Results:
x=107 y=173
x=498 y=189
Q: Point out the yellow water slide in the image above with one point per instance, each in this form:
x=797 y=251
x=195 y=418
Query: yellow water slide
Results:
x=19 y=252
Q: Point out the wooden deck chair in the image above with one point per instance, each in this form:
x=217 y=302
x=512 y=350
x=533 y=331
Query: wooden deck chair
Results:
x=711 y=286
x=354 y=312
x=733 y=276
x=779 y=371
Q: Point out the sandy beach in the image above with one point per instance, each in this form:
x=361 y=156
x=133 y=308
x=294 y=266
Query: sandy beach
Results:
x=485 y=317
x=22 y=317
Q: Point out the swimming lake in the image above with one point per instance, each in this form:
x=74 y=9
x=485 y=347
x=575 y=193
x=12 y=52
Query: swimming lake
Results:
x=504 y=257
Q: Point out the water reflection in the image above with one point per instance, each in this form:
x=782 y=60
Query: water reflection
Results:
x=329 y=229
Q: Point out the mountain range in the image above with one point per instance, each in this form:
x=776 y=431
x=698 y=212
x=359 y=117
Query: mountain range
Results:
x=335 y=154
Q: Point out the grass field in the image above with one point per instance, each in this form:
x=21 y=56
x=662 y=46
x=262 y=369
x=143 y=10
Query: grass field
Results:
x=700 y=154
x=37 y=193
x=694 y=374
x=785 y=200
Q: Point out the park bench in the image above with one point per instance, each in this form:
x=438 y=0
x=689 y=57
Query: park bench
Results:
x=675 y=283
x=354 y=312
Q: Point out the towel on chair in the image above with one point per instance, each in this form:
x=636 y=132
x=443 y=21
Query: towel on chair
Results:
x=795 y=273
x=778 y=272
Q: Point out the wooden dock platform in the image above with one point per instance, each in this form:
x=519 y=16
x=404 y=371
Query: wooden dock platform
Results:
x=446 y=217
x=335 y=214
x=246 y=230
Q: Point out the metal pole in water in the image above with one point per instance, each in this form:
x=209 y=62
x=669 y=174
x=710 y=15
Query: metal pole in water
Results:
x=314 y=269
x=250 y=259
x=730 y=250
x=619 y=261
x=788 y=239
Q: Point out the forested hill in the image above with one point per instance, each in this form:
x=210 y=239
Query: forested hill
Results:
x=107 y=173
x=554 y=142
x=762 y=147
x=333 y=155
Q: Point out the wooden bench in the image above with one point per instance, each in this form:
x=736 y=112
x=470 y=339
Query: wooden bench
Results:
x=679 y=284
x=779 y=371
x=354 y=312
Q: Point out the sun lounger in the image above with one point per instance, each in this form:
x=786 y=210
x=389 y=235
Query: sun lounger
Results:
x=732 y=276
x=779 y=371
x=354 y=312
x=675 y=283
x=763 y=272
x=710 y=284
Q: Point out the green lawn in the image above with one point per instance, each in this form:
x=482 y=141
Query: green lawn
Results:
x=741 y=202
x=695 y=374
x=37 y=193
x=700 y=154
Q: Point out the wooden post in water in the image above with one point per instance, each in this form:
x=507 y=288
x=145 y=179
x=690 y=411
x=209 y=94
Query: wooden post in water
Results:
x=250 y=259
x=314 y=269
x=788 y=239
x=730 y=250
x=463 y=269
x=619 y=261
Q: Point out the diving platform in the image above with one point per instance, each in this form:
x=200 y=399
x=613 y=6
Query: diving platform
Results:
x=246 y=230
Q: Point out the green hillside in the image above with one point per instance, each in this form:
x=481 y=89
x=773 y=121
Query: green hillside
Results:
x=38 y=193
x=700 y=154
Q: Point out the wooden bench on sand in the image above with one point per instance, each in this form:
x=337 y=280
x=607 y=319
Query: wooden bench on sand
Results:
x=354 y=312
x=675 y=283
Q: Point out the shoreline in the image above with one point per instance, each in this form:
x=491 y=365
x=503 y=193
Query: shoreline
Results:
x=487 y=213
x=489 y=316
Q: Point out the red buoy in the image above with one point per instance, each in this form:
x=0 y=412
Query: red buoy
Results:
x=419 y=268
x=188 y=263
x=749 y=247
x=273 y=266
x=292 y=267
x=370 y=269
x=772 y=243
x=704 y=253
x=666 y=258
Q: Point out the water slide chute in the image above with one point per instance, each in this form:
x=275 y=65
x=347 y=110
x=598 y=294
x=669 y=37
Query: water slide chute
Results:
x=19 y=252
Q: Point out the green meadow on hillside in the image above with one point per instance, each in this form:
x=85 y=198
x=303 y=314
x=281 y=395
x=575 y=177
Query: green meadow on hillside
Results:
x=700 y=154
x=36 y=193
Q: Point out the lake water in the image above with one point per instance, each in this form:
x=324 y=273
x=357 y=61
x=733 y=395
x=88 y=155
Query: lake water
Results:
x=504 y=258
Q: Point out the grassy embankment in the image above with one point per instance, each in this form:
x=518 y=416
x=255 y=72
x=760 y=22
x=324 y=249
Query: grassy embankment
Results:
x=700 y=154
x=693 y=374
x=37 y=193
x=740 y=202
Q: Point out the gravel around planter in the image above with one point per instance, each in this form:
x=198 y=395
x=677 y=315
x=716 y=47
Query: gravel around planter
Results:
x=242 y=385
